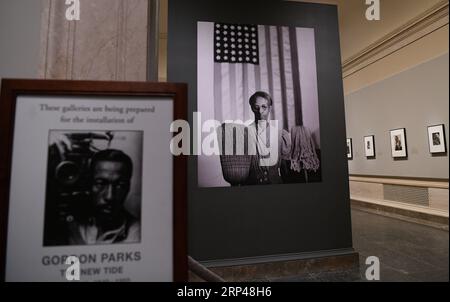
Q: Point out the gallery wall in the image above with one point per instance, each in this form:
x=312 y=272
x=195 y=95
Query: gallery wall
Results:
x=413 y=99
x=20 y=22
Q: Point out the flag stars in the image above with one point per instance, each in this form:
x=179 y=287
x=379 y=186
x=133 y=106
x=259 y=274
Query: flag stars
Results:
x=236 y=43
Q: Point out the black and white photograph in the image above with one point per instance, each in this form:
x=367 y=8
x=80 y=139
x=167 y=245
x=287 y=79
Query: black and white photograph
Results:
x=263 y=80
x=349 y=148
x=398 y=143
x=436 y=139
x=369 y=146
x=93 y=178
x=93 y=194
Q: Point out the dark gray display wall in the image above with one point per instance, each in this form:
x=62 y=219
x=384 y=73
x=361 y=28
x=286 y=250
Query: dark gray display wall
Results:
x=275 y=220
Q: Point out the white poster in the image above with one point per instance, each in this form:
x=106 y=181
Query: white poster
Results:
x=92 y=178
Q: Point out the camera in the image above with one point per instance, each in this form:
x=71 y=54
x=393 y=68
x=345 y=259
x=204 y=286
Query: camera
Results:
x=70 y=176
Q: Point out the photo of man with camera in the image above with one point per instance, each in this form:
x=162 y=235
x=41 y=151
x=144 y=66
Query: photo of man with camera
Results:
x=87 y=188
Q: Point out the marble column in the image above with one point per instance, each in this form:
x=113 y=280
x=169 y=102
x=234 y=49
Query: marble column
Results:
x=109 y=42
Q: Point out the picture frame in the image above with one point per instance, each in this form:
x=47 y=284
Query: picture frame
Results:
x=399 y=146
x=369 y=146
x=101 y=183
x=436 y=139
x=349 y=148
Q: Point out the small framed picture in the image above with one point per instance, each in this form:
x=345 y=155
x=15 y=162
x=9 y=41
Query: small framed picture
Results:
x=349 y=148
x=89 y=189
x=398 y=143
x=436 y=139
x=369 y=146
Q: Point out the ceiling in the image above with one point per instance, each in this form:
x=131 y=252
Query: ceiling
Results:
x=357 y=32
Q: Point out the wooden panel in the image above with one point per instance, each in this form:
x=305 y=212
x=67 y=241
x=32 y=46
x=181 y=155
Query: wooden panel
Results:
x=438 y=198
x=403 y=182
x=369 y=190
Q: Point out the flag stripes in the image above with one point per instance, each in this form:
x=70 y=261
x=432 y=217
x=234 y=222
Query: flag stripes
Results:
x=277 y=72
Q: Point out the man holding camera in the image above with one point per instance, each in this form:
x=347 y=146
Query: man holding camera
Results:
x=90 y=206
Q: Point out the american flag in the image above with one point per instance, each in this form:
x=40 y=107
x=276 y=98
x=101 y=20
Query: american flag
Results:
x=275 y=59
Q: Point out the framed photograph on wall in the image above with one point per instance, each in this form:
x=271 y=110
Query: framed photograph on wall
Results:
x=349 y=148
x=369 y=146
x=399 y=145
x=86 y=171
x=436 y=139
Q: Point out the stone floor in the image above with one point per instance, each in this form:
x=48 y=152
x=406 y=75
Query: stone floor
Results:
x=408 y=252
